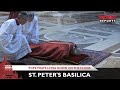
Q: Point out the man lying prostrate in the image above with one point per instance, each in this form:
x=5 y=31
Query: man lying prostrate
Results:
x=52 y=50
x=57 y=51
x=30 y=29
x=13 y=44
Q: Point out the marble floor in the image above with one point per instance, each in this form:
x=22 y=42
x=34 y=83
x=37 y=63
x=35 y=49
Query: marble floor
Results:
x=88 y=35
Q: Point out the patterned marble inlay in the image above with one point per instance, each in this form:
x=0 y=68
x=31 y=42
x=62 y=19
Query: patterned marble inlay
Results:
x=72 y=37
x=105 y=27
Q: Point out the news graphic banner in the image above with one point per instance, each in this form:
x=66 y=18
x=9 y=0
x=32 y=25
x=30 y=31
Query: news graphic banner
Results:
x=46 y=71
x=107 y=18
x=8 y=71
x=55 y=71
x=53 y=68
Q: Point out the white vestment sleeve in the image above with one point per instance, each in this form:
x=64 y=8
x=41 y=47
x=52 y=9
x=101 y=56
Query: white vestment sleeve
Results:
x=35 y=31
x=12 y=43
x=30 y=30
x=6 y=36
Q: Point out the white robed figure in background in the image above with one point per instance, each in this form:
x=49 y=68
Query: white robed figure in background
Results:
x=30 y=29
x=13 y=43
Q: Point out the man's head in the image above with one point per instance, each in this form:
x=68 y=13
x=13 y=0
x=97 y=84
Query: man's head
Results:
x=30 y=16
x=22 y=17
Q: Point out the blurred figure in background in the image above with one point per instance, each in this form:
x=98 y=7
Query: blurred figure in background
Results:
x=30 y=29
x=13 y=14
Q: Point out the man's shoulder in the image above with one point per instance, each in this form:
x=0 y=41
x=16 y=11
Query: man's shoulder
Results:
x=10 y=21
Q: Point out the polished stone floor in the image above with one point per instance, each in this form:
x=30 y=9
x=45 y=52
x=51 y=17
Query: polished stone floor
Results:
x=88 y=35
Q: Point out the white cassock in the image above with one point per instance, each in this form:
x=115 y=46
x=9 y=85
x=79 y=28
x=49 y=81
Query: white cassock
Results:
x=13 y=43
x=30 y=30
